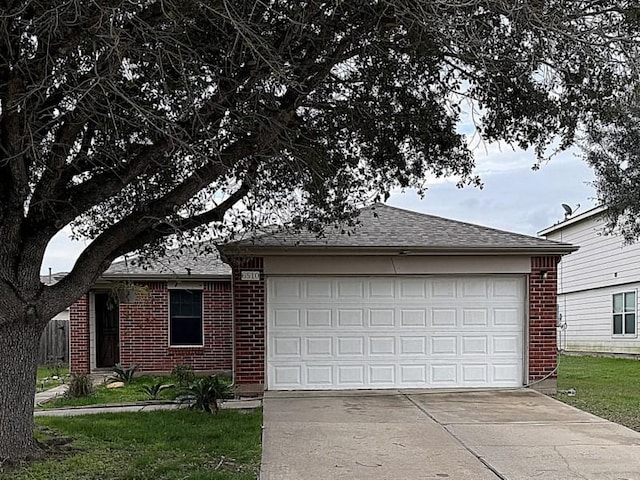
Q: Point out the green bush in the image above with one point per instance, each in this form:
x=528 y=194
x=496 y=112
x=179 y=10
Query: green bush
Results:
x=80 y=386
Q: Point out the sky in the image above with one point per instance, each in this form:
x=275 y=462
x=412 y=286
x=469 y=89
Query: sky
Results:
x=514 y=198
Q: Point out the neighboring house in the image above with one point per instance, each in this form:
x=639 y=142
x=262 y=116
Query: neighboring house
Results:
x=52 y=279
x=597 y=287
x=407 y=300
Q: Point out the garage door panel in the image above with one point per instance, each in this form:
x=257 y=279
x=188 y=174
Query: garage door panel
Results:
x=473 y=317
x=351 y=376
x=320 y=376
x=506 y=344
x=319 y=347
x=412 y=289
x=286 y=288
x=319 y=289
x=412 y=375
x=474 y=288
x=381 y=318
x=392 y=332
x=443 y=289
x=318 y=318
x=350 y=289
x=382 y=289
x=444 y=345
x=443 y=317
x=503 y=317
x=474 y=374
x=475 y=345
x=413 y=318
x=380 y=346
x=382 y=375
x=286 y=318
x=350 y=318
x=350 y=346
x=507 y=374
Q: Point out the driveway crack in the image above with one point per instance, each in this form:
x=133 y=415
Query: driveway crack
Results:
x=482 y=460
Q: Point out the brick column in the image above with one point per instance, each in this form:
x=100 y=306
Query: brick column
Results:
x=79 y=335
x=543 y=354
x=249 y=316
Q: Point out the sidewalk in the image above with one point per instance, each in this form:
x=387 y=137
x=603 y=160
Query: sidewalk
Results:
x=42 y=397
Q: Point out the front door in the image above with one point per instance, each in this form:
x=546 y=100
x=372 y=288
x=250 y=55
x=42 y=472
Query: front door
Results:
x=107 y=333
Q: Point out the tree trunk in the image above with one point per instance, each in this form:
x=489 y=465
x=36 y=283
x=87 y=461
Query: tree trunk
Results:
x=18 y=363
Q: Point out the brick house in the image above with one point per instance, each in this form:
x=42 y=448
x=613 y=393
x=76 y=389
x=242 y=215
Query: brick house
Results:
x=407 y=300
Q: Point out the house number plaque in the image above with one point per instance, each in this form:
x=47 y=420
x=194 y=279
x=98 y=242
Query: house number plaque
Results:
x=250 y=276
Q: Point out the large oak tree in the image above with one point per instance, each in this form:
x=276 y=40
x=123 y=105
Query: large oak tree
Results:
x=137 y=120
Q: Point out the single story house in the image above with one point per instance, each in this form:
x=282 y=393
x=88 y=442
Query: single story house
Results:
x=406 y=300
x=597 y=286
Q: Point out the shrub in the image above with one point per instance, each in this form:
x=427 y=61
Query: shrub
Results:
x=153 y=391
x=205 y=393
x=80 y=386
x=183 y=375
x=122 y=374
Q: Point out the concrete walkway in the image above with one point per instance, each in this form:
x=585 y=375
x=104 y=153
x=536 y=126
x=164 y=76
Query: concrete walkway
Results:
x=509 y=435
x=42 y=397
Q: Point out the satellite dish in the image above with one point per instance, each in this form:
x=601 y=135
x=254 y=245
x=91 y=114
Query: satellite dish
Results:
x=567 y=210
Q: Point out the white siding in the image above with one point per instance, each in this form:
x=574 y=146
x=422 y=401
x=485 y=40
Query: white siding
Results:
x=589 y=321
x=602 y=261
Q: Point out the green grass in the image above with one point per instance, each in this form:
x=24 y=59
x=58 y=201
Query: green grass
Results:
x=45 y=372
x=607 y=387
x=169 y=445
x=130 y=393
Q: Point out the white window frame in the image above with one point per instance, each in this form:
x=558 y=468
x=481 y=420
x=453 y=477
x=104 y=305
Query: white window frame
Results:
x=624 y=312
x=185 y=286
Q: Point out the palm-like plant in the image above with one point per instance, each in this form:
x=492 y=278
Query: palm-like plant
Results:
x=205 y=393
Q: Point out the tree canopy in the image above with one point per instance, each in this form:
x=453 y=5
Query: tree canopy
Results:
x=135 y=121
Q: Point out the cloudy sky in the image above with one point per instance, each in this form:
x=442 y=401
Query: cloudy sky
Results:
x=514 y=197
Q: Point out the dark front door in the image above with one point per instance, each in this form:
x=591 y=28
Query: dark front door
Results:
x=107 y=334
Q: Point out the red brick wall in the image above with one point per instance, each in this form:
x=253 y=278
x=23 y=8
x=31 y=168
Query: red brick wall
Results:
x=79 y=336
x=543 y=353
x=249 y=305
x=144 y=332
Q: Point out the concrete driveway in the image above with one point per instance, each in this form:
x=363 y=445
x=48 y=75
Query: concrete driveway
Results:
x=396 y=435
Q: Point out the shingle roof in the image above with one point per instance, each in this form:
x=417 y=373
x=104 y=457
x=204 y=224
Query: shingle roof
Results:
x=192 y=262
x=53 y=278
x=383 y=227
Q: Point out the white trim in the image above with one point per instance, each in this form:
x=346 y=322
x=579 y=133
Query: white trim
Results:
x=570 y=221
x=169 y=345
x=624 y=312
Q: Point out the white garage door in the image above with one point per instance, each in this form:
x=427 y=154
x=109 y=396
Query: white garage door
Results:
x=394 y=332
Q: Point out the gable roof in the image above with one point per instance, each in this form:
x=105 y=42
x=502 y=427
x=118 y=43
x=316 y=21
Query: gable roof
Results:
x=573 y=220
x=383 y=228
x=183 y=264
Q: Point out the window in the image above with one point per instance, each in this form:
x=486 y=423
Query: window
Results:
x=624 y=313
x=185 y=318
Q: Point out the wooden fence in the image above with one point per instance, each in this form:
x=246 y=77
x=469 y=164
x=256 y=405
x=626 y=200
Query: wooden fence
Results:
x=54 y=343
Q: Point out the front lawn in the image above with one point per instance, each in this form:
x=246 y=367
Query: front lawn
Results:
x=607 y=387
x=169 y=445
x=130 y=393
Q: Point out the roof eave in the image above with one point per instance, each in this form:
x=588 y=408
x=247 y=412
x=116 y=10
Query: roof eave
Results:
x=559 y=249
x=163 y=277
x=571 y=221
